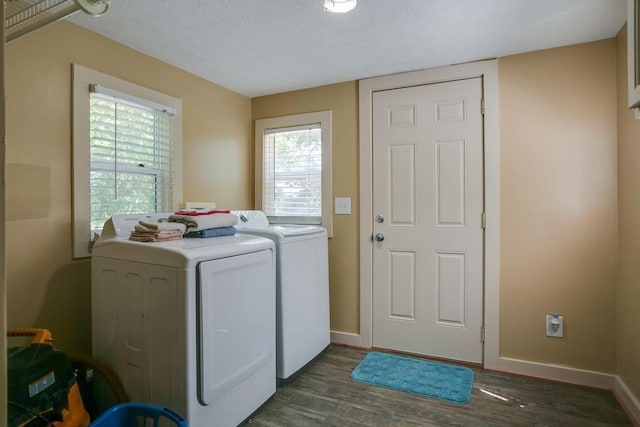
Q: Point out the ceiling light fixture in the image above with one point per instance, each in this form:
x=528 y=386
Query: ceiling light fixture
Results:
x=340 y=6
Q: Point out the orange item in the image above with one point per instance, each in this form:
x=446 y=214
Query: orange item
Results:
x=39 y=368
x=40 y=336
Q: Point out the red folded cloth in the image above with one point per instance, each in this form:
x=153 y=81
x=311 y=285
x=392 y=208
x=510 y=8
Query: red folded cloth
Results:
x=198 y=212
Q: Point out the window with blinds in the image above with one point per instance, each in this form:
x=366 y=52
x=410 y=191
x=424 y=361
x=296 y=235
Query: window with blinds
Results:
x=292 y=181
x=293 y=169
x=127 y=152
x=130 y=157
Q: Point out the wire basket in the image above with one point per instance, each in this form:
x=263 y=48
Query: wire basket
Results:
x=139 y=415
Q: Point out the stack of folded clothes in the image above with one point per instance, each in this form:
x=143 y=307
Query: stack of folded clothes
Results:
x=206 y=223
x=157 y=231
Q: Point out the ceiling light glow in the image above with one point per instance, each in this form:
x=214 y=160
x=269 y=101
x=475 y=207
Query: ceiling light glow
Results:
x=340 y=6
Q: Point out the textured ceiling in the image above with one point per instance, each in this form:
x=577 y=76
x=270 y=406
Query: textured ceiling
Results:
x=260 y=47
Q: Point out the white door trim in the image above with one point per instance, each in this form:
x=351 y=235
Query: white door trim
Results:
x=488 y=70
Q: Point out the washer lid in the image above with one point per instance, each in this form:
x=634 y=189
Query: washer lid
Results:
x=295 y=230
x=282 y=234
x=257 y=223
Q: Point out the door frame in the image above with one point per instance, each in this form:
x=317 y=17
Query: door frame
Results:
x=488 y=70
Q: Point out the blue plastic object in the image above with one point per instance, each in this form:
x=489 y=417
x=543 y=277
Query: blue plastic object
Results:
x=138 y=414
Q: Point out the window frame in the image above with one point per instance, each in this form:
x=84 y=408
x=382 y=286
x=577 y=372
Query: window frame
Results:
x=82 y=78
x=633 y=54
x=323 y=118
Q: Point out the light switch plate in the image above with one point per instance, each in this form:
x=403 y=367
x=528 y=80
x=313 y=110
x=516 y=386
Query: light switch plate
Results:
x=343 y=205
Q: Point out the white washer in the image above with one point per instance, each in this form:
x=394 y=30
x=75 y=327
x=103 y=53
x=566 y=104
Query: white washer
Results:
x=302 y=308
x=188 y=324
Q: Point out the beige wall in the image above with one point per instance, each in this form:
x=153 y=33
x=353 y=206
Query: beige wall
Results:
x=559 y=220
x=629 y=230
x=558 y=204
x=558 y=133
x=558 y=142
x=342 y=100
x=46 y=288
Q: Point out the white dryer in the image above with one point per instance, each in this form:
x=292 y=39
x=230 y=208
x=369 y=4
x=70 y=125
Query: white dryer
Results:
x=302 y=308
x=188 y=324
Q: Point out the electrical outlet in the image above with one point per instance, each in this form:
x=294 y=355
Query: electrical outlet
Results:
x=554 y=325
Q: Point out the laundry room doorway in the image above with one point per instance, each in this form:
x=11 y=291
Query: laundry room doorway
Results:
x=429 y=281
x=428 y=203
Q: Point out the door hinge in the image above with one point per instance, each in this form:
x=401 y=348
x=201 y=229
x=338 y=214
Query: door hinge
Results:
x=482 y=333
x=482 y=106
x=483 y=220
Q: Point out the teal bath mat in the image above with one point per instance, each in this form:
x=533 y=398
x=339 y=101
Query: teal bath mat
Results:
x=431 y=379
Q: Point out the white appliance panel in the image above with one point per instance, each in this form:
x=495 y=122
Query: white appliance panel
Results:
x=303 y=309
x=236 y=327
x=135 y=309
x=302 y=314
x=147 y=327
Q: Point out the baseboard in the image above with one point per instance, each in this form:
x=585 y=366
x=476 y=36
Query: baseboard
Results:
x=346 y=338
x=556 y=373
x=627 y=400
x=515 y=366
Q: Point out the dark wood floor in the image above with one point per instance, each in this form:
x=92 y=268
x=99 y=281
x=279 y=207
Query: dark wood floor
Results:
x=324 y=395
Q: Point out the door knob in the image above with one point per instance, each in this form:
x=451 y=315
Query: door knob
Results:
x=379 y=237
x=380 y=218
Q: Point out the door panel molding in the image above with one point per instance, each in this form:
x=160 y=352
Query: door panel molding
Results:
x=402 y=279
x=402 y=172
x=448 y=266
x=488 y=70
x=449 y=180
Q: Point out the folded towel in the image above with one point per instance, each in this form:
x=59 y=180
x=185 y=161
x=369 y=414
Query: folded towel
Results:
x=204 y=222
x=198 y=212
x=159 y=236
x=152 y=227
x=212 y=232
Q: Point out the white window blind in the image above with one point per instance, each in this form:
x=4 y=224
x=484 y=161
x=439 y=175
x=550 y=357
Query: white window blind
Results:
x=130 y=156
x=292 y=173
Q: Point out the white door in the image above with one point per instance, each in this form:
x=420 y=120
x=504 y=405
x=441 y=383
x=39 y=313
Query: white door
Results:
x=428 y=207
